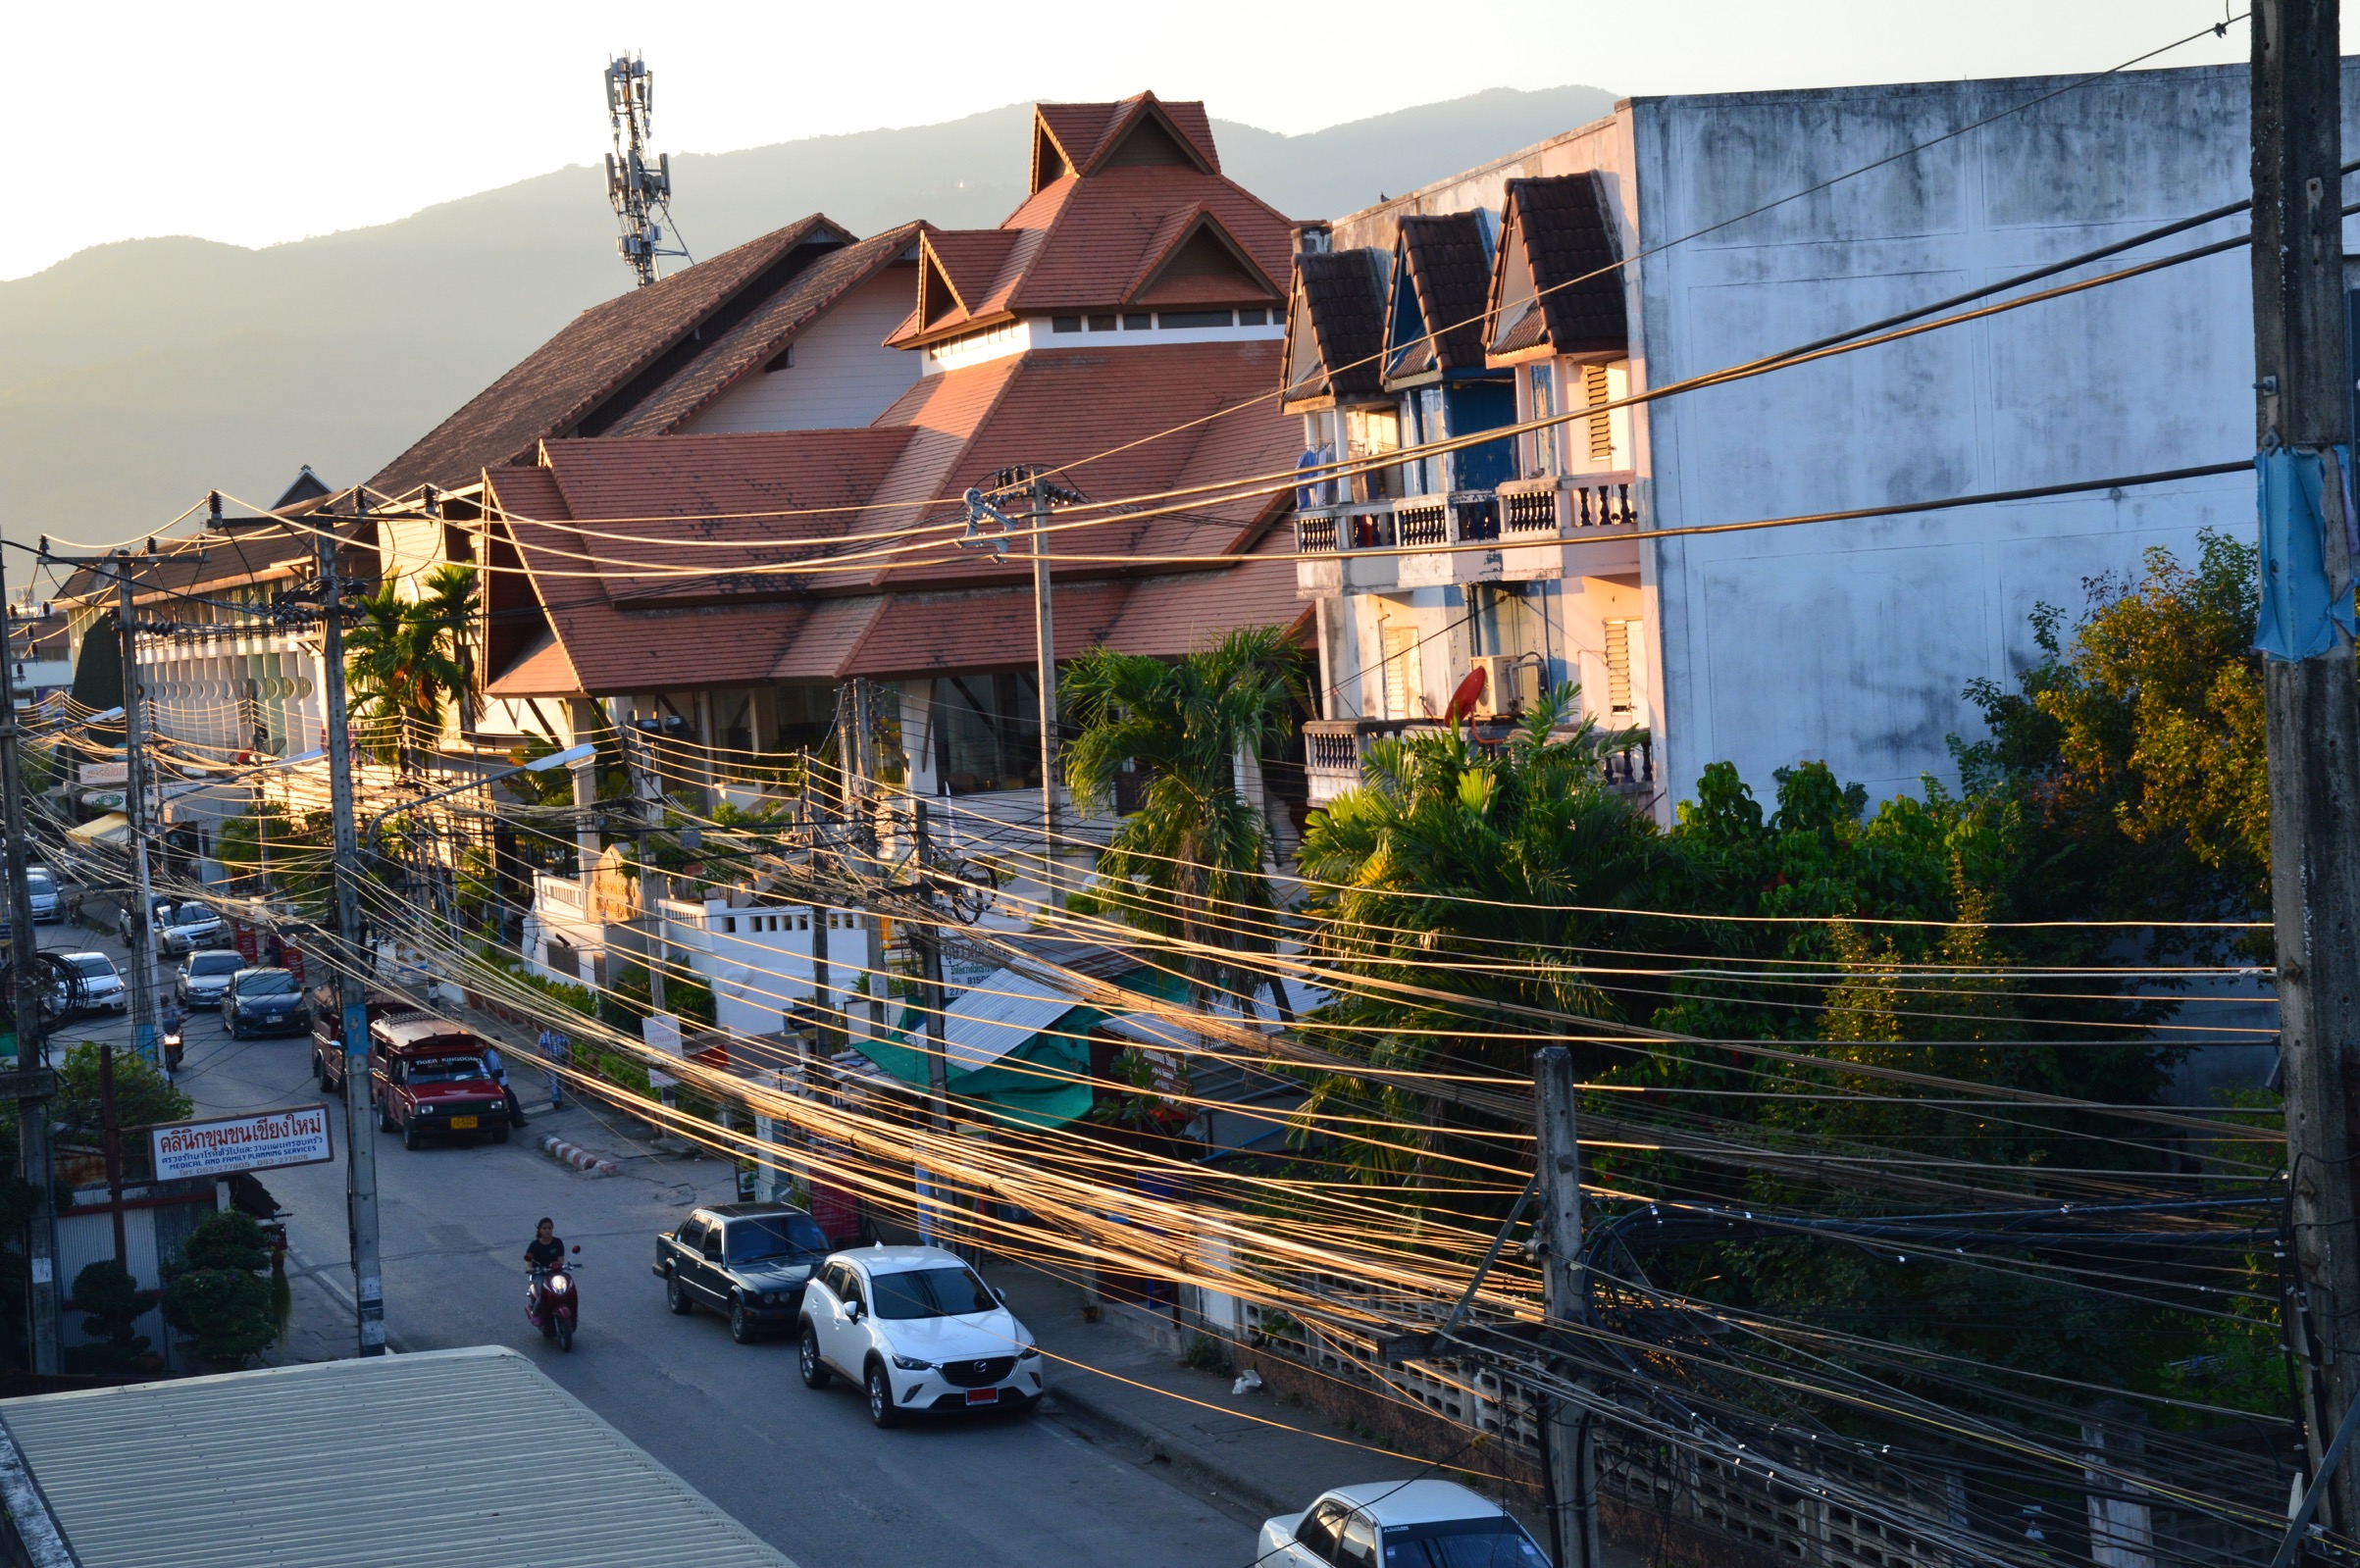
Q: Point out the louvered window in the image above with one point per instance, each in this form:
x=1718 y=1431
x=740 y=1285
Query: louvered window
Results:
x=1594 y=391
x=1617 y=666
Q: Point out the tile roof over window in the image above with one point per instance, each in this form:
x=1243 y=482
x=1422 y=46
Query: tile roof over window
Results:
x=1556 y=288
x=1336 y=329
x=1441 y=275
x=1129 y=210
x=600 y=357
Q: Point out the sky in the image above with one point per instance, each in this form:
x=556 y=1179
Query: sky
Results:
x=259 y=123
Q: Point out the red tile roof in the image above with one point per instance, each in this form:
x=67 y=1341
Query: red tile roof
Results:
x=597 y=354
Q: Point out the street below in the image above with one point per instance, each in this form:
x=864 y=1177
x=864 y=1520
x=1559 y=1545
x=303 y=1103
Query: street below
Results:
x=805 y=1470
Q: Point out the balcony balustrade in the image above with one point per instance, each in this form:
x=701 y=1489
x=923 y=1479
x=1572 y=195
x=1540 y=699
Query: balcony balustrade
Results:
x=1336 y=754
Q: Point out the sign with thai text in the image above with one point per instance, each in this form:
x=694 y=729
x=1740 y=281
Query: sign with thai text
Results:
x=225 y=1145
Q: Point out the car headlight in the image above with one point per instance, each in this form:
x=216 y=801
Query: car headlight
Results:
x=1028 y=1352
x=910 y=1363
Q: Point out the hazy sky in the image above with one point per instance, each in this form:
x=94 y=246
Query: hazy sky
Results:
x=256 y=122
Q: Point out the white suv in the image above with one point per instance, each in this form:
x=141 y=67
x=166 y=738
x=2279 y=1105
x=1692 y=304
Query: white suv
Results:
x=917 y=1329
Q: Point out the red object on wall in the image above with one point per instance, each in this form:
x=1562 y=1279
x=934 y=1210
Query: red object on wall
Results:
x=1463 y=700
x=248 y=944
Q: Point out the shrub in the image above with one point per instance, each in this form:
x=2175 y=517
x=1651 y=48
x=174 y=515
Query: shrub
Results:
x=219 y=1295
x=111 y=1301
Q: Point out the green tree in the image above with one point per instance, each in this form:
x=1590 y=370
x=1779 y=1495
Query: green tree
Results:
x=409 y=661
x=1188 y=862
x=112 y=1304
x=2137 y=744
x=220 y=1291
x=143 y=1097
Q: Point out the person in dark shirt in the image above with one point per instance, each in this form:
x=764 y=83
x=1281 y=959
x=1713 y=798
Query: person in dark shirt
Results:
x=544 y=1250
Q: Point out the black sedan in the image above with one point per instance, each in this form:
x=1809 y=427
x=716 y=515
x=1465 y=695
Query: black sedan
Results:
x=749 y=1260
x=262 y=1001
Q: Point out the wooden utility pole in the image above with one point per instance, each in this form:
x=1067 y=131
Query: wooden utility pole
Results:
x=353 y=959
x=35 y=1165
x=2305 y=388
x=1566 y=1438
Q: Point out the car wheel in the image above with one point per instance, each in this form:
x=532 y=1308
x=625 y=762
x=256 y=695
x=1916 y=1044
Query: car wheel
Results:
x=236 y=1030
x=409 y=1135
x=499 y=1134
x=813 y=1369
x=882 y=1409
x=741 y=1327
x=676 y=1296
x=386 y=1121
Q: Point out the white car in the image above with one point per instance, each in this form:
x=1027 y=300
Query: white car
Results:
x=103 y=990
x=917 y=1330
x=1391 y=1524
x=186 y=928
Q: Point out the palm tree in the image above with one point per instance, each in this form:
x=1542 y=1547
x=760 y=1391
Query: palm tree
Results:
x=1188 y=862
x=407 y=660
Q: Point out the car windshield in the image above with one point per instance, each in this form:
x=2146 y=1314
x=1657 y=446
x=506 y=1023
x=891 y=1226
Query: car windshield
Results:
x=944 y=1292
x=774 y=1236
x=96 y=966
x=40 y=883
x=445 y=1069
x=1494 y=1542
x=216 y=964
x=268 y=983
x=192 y=914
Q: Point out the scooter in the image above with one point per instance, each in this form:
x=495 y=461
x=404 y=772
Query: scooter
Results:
x=552 y=1302
x=171 y=1051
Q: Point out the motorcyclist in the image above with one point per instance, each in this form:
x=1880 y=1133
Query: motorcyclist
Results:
x=168 y=1031
x=544 y=1250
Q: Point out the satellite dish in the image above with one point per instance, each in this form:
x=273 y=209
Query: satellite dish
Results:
x=1464 y=698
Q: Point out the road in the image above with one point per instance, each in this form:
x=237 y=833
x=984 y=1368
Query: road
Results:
x=806 y=1471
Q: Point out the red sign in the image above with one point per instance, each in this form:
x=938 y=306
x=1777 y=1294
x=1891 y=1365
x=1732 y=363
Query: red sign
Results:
x=242 y=934
x=292 y=957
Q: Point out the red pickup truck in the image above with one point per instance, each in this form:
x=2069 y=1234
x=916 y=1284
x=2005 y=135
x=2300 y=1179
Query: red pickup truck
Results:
x=427 y=1078
x=327 y=1044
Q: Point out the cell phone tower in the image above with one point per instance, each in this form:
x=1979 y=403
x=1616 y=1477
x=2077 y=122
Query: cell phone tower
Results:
x=638 y=185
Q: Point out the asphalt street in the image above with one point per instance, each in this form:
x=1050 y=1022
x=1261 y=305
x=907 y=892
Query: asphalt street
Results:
x=805 y=1470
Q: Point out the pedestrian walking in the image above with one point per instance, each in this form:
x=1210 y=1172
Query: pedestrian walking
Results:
x=500 y=1075
x=556 y=1051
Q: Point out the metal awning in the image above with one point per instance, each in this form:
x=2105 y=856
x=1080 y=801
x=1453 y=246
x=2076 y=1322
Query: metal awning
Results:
x=111 y=829
x=999 y=1015
x=377 y=1463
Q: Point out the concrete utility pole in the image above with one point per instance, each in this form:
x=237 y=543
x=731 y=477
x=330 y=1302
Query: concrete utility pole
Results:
x=352 y=987
x=2305 y=388
x=1045 y=639
x=1566 y=1438
x=927 y=939
x=135 y=811
x=35 y=1162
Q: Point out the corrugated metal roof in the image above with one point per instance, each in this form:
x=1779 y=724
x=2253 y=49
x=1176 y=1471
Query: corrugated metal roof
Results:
x=450 y=1457
x=998 y=1016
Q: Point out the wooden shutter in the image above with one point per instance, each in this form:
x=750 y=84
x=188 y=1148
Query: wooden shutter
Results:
x=1596 y=389
x=1617 y=666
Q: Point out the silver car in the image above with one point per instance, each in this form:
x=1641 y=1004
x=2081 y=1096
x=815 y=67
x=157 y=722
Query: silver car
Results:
x=103 y=990
x=203 y=976
x=46 y=905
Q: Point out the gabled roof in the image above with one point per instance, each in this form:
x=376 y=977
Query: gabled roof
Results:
x=1082 y=138
x=731 y=356
x=595 y=359
x=1556 y=286
x=1335 y=329
x=1441 y=275
x=1128 y=208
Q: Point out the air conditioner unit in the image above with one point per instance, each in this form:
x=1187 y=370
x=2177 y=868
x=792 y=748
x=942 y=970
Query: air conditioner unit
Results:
x=1511 y=685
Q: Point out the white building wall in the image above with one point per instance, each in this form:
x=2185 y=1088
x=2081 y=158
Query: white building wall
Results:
x=1851 y=642
x=841 y=375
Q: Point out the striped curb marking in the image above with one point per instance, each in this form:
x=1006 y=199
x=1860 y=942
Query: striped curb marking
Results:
x=581 y=1159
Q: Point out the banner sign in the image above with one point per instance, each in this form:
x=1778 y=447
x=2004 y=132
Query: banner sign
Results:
x=226 y=1145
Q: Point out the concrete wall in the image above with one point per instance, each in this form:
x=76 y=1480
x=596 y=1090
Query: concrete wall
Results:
x=841 y=375
x=1852 y=642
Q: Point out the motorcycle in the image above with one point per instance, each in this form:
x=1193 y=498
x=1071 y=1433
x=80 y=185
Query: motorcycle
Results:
x=552 y=1302
x=171 y=1051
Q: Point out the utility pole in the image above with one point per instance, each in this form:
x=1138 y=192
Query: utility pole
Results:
x=2305 y=388
x=352 y=987
x=1045 y=639
x=1567 y=1434
x=135 y=811
x=35 y=1163
x=927 y=939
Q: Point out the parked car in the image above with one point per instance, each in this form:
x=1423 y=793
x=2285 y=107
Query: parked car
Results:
x=103 y=990
x=203 y=978
x=46 y=905
x=264 y=1000
x=749 y=1260
x=161 y=912
x=918 y=1331
x=188 y=927
x=428 y=1079
x=1387 y=1523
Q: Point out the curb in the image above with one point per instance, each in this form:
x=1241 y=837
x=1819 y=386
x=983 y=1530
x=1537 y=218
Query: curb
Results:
x=1157 y=1443
x=580 y=1158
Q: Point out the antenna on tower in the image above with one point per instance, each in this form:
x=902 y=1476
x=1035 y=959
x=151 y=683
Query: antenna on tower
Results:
x=638 y=186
